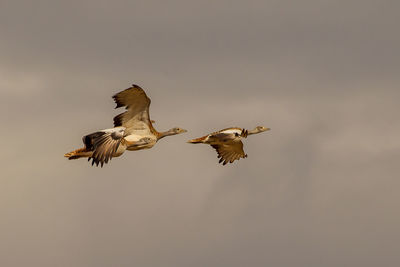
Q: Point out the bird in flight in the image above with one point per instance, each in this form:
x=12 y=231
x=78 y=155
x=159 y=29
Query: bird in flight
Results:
x=133 y=130
x=228 y=142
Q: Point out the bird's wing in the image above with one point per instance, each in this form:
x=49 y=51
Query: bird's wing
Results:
x=105 y=145
x=230 y=151
x=137 y=117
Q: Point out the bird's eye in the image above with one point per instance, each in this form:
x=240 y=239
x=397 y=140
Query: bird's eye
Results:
x=236 y=134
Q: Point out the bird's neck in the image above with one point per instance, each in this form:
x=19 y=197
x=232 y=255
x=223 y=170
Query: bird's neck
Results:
x=166 y=133
x=254 y=131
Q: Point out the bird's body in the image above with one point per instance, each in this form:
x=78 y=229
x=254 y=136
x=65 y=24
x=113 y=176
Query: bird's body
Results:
x=133 y=130
x=227 y=142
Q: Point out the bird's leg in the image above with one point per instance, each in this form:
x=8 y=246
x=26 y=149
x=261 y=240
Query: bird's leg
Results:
x=143 y=141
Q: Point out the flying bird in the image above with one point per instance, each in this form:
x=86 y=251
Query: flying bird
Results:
x=228 y=142
x=133 y=130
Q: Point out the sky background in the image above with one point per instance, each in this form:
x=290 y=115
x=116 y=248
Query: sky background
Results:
x=320 y=189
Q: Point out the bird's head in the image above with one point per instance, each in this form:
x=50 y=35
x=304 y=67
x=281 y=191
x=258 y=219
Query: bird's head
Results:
x=262 y=129
x=178 y=130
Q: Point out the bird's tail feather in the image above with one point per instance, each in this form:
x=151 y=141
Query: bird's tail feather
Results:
x=78 y=153
x=197 y=140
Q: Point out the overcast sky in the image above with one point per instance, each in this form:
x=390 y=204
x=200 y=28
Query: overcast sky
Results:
x=320 y=189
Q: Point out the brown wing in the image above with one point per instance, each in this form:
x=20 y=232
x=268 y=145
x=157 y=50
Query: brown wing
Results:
x=229 y=152
x=137 y=117
x=105 y=146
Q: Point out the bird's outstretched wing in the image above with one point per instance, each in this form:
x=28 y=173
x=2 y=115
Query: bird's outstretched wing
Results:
x=137 y=117
x=106 y=144
x=229 y=151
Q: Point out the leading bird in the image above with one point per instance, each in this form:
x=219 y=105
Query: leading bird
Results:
x=228 y=142
x=133 y=130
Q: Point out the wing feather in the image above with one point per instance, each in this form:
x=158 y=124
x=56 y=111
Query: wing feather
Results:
x=106 y=145
x=137 y=117
x=229 y=152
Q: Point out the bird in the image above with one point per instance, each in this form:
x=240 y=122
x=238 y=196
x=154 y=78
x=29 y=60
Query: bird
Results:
x=133 y=130
x=228 y=142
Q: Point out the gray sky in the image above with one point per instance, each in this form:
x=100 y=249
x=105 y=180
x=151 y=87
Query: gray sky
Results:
x=320 y=189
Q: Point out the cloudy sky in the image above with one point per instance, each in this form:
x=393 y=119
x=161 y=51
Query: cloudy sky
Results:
x=320 y=189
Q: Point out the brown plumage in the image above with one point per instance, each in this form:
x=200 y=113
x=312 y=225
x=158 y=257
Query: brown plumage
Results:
x=133 y=130
x=227 y=142
x=229 y=152
x=137 y=117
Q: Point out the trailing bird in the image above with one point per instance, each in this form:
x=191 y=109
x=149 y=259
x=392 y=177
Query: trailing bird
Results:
x=133 y=130
x=228 y=142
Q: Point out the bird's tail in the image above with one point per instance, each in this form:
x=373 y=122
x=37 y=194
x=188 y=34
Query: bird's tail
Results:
x=197 y=140
x=78 y=153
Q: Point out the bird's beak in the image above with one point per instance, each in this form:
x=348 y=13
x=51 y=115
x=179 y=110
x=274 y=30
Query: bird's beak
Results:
x=267 y=129
x=183 y=131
